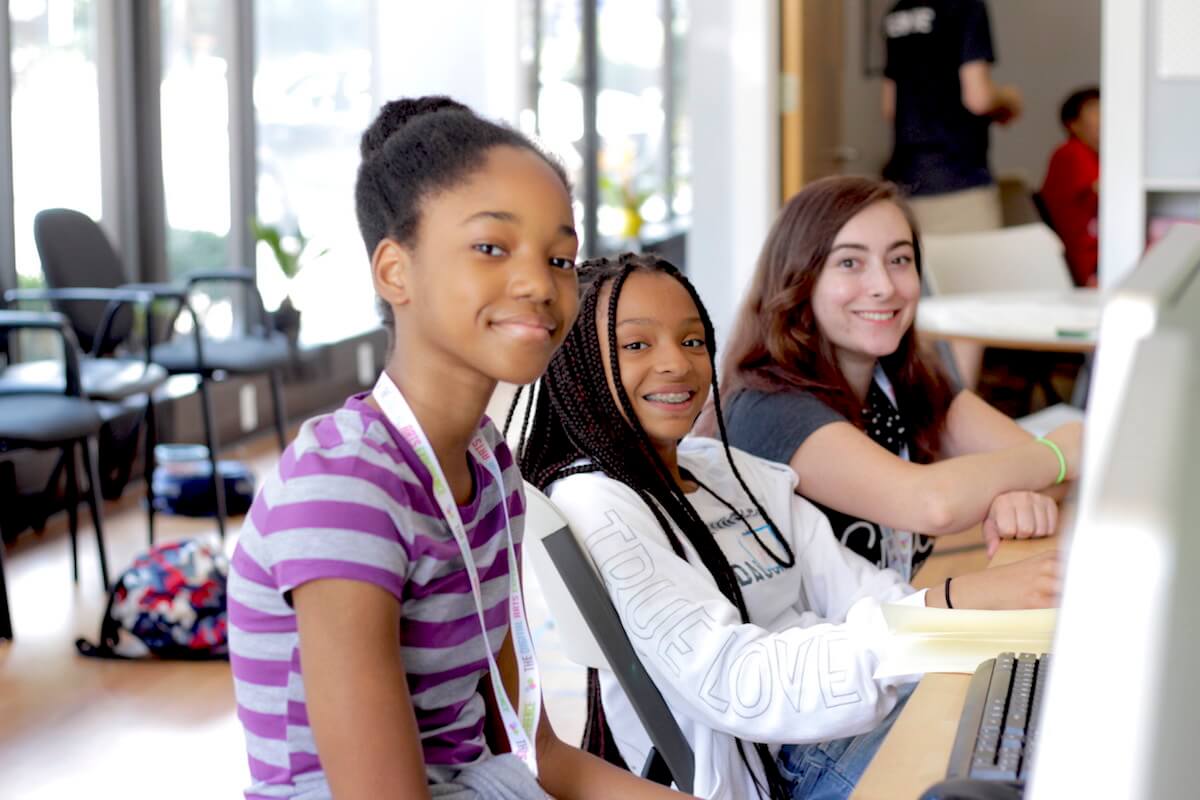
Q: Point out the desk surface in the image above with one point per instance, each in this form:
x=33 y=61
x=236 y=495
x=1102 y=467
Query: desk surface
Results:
x=1035 y=320
x=916 y=751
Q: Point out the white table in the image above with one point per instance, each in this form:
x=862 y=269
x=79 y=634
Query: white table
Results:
x=1058 y=321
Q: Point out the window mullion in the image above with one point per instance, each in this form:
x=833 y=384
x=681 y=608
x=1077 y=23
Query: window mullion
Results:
x=129 y=65
x=8 y=254
x=667 y=12
x=243 y=169
x=591 y=137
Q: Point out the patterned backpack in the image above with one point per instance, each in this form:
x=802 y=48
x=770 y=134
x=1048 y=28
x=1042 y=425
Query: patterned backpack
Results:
x=169 y=604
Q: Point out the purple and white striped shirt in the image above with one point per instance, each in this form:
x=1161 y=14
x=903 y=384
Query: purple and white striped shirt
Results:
x=349 y=499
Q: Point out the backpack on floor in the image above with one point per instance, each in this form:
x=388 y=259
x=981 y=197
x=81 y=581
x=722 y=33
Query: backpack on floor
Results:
x=169 y=604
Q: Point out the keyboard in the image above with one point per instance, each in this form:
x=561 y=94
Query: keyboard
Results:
x=997 y=733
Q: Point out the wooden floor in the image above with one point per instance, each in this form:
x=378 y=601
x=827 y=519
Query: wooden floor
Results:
x=71 y=726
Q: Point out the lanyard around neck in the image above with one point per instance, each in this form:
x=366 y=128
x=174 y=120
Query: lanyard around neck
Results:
x=521 y=727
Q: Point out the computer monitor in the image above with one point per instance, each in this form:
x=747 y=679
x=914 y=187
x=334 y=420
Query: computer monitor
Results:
x=1121 y=718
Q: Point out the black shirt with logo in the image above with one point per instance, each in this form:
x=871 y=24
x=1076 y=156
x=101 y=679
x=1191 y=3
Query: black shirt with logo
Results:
x=773 y=425
x=939 y=145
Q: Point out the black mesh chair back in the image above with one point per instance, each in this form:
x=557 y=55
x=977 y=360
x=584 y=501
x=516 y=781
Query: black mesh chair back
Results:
x=75 y=253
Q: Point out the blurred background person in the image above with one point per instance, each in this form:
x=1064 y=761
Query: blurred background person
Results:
x=1070 y=193
x=939 y=95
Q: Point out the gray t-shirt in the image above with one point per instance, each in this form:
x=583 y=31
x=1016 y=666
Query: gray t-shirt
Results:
x=773 y=425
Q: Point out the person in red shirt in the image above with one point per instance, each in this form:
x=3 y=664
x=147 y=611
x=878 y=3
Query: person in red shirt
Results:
x=1071 y=190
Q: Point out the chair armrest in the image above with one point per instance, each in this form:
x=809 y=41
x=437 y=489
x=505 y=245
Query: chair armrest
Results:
x=167 y=291
x=120 y=295
x=54 y=321
x=115 y=298
x=243 y=276
x=11 y=319
x=173 y=291
x=211 y=276
x=160 y=291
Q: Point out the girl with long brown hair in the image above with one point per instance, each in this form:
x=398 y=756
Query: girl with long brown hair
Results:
x=824 y=373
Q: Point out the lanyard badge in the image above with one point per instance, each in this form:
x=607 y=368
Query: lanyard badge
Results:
x=519 y=724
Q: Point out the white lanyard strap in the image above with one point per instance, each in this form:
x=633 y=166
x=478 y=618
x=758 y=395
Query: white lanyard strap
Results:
x=521 y=728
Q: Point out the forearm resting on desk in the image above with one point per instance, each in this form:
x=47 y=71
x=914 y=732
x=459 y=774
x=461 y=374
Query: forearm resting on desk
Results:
x=935 y=499
x=1032 y=582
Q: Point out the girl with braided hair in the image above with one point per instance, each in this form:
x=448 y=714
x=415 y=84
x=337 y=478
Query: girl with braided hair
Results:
x=374 y=599
x=759 y=629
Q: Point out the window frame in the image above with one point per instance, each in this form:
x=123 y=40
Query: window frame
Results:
x=589 y=192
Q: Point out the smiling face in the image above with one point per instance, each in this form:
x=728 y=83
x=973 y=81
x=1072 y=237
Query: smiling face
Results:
x=662 y=352
x=866 y=295
x=489 y=284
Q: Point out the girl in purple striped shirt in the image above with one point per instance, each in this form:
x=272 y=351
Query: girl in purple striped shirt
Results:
x=377 y=632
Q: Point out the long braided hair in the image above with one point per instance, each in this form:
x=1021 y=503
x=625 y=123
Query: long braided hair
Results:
x=575 y=418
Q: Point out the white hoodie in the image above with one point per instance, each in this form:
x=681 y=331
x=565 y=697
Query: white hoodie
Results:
x=798 y=672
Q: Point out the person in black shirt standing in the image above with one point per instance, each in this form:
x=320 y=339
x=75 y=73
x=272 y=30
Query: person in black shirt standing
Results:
x=939 y=94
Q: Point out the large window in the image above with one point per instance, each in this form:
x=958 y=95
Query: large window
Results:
x=559 y=78
x=629 y=88
x=630 y=118
x=195 y=134
x=679 y=122
x=312 y=99
x=300 y=80
x=55 y=116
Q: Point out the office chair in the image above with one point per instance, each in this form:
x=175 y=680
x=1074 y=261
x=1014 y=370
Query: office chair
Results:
x=76 y=253
x=594 y=637
x=110 y=381
x=1020 y=258
x=1016 y=259
x=52 y=418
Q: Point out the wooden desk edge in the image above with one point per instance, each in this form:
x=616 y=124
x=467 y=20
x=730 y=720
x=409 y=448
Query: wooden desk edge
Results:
x=1065 y=345
x=916 y=752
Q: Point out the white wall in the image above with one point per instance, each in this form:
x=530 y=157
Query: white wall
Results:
x=462 y=48
x=1048 y=48
x=732 y=97
x=863 y=127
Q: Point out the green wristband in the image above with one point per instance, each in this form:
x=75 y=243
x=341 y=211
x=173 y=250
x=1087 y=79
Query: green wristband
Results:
x=1062 y=460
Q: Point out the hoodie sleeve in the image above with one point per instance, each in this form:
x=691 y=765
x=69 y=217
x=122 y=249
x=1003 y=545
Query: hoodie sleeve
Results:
x=834 y=577
x=806 y=683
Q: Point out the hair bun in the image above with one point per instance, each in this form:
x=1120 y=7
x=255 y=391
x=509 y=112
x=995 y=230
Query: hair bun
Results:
x=395 y=114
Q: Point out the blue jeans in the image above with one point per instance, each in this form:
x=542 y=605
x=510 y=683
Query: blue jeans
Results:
x=829 y=770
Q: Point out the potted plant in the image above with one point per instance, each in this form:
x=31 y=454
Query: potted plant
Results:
x=622 y=193
x=291 y=254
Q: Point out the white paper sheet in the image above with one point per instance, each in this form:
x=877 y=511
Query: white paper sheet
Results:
x=958 y=640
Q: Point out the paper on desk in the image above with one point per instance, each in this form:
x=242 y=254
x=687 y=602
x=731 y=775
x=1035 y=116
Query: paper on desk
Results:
x=958 y=640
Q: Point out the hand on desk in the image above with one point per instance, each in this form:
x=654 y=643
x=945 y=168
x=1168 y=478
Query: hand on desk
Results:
x=1019 y=515
x=1034 y=582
